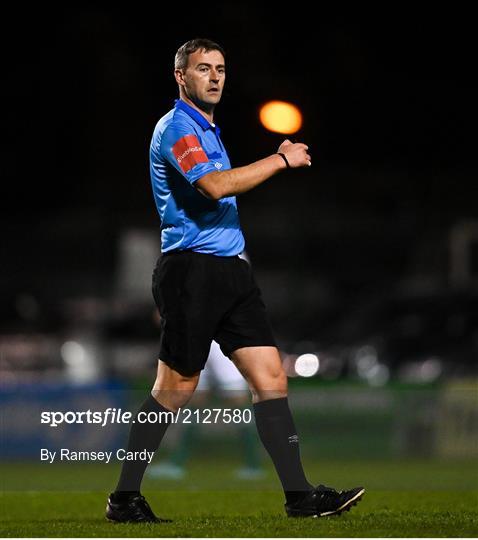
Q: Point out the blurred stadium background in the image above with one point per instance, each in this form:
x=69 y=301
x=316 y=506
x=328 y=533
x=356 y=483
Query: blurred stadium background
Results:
x=368 y=261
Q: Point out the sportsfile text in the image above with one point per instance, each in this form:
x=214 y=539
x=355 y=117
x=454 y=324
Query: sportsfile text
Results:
x=118 y=416
x=108 y=416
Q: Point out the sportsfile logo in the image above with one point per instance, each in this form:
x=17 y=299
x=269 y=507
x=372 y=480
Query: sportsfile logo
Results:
x=188 y=152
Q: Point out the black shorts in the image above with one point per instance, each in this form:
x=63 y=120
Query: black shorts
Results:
x=203 y=298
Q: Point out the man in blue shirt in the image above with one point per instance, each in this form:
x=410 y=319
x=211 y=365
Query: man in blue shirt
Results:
x=186 y=146
x=205 y=292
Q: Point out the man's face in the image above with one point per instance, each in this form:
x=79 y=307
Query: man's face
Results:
x=203 y=79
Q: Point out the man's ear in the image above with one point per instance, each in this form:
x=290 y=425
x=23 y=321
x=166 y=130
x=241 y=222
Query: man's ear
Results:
x=179 y=76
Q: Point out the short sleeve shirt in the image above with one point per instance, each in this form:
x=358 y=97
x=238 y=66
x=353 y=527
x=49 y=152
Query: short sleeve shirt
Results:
x=184 y=148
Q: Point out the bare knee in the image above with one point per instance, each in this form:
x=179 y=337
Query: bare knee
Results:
x=262 y=368
x=172 y=399
x=172 y=389
x=271 y=385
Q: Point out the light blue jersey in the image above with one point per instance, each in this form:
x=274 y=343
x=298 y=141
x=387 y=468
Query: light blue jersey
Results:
x=184 y=148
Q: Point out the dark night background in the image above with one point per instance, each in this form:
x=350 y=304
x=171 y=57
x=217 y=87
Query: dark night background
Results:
x=368 y=260
x=387 y=100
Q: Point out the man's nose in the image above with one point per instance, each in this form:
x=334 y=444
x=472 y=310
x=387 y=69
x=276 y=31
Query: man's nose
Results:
x=214 y=77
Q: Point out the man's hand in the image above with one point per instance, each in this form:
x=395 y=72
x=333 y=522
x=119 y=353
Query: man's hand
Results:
x=295 y=153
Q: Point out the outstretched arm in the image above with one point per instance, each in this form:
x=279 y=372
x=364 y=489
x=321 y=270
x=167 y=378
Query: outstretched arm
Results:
x=219 y=184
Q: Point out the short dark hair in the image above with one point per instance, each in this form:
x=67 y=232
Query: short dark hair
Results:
x=182 y=56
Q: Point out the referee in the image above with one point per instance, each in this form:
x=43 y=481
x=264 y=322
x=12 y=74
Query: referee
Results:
x=205 y=292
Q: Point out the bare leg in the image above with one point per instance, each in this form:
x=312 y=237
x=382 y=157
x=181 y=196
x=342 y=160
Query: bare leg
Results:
x=263 y=371
x=172 y=389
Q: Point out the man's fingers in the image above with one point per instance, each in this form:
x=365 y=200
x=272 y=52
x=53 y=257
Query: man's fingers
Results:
x=298 y=154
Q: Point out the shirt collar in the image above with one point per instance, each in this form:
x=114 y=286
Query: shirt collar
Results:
x=195 y=115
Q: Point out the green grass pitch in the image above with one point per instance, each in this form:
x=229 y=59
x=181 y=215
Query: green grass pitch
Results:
x=403 y=499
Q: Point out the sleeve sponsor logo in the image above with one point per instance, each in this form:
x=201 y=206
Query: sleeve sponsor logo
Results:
x=188 y=152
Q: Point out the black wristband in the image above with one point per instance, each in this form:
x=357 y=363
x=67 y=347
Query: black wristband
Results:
x=284 y=158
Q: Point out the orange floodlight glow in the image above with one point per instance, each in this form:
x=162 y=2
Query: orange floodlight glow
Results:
x=281 y=117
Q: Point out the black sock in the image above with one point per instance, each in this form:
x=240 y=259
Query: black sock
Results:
x=278 y=435
x=123 y=496
x=142 y=436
